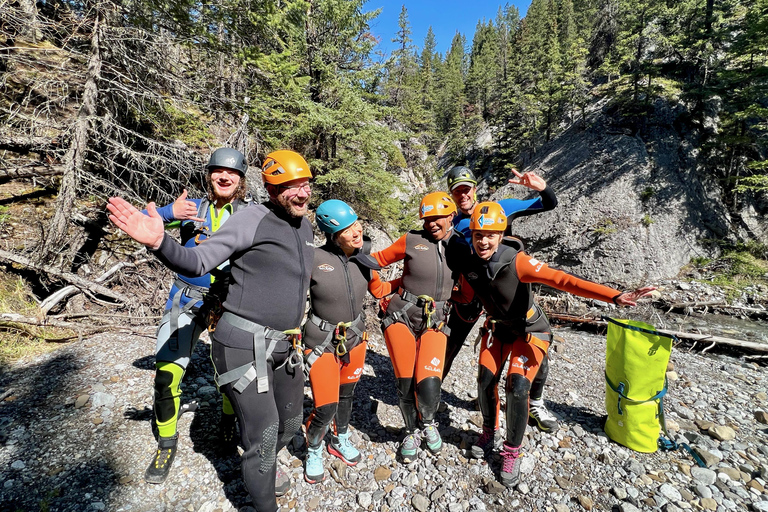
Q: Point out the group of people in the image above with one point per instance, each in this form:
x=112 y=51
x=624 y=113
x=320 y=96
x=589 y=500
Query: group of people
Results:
x=245 y=270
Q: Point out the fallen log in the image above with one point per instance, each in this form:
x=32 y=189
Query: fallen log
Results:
x=714 y=340
x=49 y=302
x=83 y=330
x=74 y=279
x=30 y=171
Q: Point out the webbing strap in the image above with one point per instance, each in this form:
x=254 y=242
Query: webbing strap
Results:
x=324 y=325
x=195 y=293
x=257 y=369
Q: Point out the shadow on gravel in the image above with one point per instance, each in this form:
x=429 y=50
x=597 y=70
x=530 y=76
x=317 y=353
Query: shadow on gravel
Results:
x=43 y=471
x=571 y=415
x=204 y=431
x=147 y=362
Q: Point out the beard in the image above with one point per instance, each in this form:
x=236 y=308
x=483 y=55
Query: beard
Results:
x=290 y=208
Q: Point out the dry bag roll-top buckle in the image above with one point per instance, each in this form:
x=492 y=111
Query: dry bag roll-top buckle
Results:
x=297 y=355
x=340 y=338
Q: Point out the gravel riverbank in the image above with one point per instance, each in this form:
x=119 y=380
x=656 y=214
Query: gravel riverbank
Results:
x=75 y=435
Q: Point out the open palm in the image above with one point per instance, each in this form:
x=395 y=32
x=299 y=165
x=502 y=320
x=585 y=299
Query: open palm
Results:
x=145 y=229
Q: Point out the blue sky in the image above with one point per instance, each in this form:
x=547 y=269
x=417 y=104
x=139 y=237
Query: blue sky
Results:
x=445 y=16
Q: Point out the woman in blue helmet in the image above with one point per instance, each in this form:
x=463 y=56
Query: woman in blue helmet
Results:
x=334 y=334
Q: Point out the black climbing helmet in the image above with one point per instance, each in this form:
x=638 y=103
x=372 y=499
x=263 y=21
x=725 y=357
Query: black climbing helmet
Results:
x=229 y=158
x=460 y=174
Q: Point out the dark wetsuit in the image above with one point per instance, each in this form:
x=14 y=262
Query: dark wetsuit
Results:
x=336 y=292
x=464 y=316
x=516 y=328
x=270 y=255
x=416 y=341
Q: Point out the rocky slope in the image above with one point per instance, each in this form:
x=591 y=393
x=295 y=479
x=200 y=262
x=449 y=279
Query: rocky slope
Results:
x=631 y=209
x=75 y=435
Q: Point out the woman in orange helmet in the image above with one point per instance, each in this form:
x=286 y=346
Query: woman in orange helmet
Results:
x=414 y=325
x=500 y=273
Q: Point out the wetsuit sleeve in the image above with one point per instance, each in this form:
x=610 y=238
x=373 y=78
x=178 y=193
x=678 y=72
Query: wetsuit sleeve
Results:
x=463 y=293
x=236 y=235
x=530 y=270
x=379 y=288
x=391 y=254
x=515 y=208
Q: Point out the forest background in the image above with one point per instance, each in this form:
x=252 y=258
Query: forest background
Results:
x=102 y=98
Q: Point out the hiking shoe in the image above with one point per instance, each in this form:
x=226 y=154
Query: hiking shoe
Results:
x=510 y=465
x=410 y=446
x=432 y=437
x=540 y=417
x=282 y=482
x=158 y=469
x=485 y=443
x=313 y=464
x=228 y=429
x=342 y=447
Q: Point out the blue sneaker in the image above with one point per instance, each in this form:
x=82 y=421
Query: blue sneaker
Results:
x=342 y=447
x=313 y=465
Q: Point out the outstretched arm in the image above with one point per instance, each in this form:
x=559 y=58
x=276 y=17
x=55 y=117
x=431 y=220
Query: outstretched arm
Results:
x=145 y=229
x=630 y=298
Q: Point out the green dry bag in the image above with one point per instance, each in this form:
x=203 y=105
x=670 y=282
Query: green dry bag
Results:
x=636 y=361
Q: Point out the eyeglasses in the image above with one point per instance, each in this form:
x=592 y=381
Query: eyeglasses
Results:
x=294 y=189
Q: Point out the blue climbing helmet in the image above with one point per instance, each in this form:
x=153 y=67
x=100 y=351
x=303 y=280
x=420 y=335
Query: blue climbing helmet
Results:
x=333 y=216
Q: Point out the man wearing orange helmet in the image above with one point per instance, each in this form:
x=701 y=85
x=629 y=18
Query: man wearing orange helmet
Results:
x=256 y=349
x=499 y=273
x=414 y=325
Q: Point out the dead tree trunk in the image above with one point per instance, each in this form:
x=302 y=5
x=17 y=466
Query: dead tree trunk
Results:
x=75 y=157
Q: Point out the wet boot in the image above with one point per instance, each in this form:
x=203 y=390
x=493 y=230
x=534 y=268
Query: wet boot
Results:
x=158 y=469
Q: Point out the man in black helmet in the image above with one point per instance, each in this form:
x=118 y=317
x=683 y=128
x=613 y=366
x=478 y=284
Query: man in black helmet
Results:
x=183 y=322
x=462 y=184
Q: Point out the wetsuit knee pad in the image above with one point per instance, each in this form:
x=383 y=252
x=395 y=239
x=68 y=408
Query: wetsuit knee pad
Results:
x=268 y=450
x=291 y=426
x=428 y=397
x=405 y=388
x=167 y=380
x=517 y=387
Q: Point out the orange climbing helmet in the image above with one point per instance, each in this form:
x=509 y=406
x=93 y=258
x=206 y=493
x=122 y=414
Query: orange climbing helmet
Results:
x=436 y=204
x=488 y=217
x=284 y=165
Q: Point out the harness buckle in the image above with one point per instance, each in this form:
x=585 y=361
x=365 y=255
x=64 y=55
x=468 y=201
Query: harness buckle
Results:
x=203 y=230
x=340 y=335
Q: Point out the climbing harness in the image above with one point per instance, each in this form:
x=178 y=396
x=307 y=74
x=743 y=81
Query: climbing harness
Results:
x=257 y=369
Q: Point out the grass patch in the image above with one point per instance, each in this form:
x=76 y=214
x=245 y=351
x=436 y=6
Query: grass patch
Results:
x=605 y=227
x=20 y=340
x=736 y=270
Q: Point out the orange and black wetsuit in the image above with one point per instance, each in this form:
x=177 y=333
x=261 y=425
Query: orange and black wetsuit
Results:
x=516 y=327
x=414 y=325
x=334 y=334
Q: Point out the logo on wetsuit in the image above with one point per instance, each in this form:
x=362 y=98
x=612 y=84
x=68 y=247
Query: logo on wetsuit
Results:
x=421 y=247
x=356 y=375
x=325 y=267
x=432 y=368
x=536 y=263
x=519 y=362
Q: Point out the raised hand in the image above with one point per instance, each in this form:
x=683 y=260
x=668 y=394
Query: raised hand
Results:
x=145 y=229
x=529 y=180
x=184 y=209
x=630 y=298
